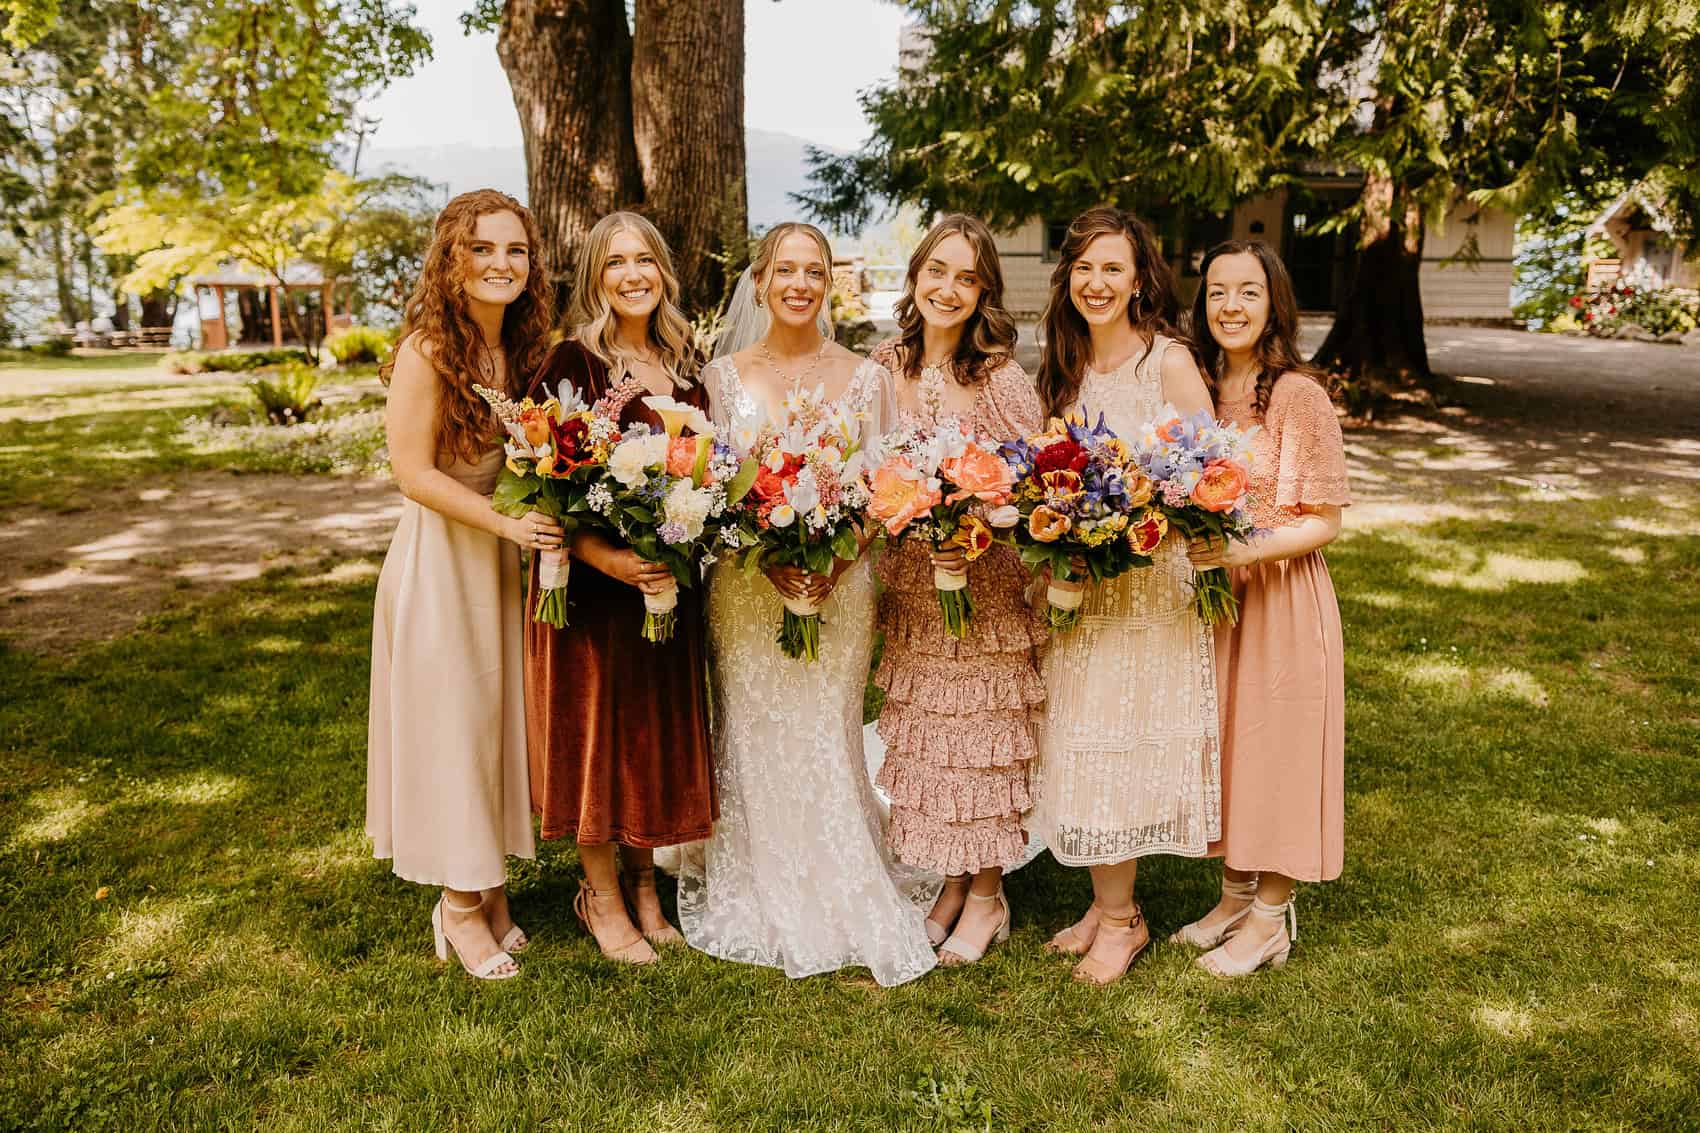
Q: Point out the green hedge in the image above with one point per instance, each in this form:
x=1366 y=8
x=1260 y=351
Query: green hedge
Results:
x=229 y=361
x=360 y=344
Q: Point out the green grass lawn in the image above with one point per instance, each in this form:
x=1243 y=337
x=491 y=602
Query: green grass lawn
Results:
x=193 y=935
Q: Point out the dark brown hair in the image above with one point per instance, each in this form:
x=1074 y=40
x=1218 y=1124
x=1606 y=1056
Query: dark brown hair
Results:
x=1154 y=310
x=1277 y=350
x=438 y=314
x=988 y=339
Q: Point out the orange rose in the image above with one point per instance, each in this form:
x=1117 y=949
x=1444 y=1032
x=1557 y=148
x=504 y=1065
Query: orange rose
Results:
x=1146 y=535
x=535 y=422
x=979 y=474
x=901 y=495
x=1139 y=487
x=974 y=537
x=1048 y=526
x=1221 y=486
x=681 y=455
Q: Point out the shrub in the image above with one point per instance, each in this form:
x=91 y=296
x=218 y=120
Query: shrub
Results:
x=359 y=344
x=1629 y=301
x=286 y=393
x=59 y=346
x=229 y=361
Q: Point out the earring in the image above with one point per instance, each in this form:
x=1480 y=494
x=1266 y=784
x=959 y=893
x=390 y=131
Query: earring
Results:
x=1136 y=292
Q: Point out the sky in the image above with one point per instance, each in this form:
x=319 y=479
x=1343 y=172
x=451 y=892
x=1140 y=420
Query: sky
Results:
x=805 y=61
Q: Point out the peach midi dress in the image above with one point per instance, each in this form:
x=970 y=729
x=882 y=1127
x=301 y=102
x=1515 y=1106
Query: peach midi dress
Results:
x=1280 y=675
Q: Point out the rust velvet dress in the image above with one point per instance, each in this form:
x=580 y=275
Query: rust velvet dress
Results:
x=616 y=726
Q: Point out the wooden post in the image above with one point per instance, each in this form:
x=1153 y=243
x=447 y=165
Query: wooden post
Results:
x=223 y=335
x=277 y=320
x=327 y=305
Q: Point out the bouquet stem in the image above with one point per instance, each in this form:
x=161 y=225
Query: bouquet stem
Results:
x=1065 y=597
x=660 y=615
x=1213 y=597
x=799 y=631
x=955 y=603
x=553 y=568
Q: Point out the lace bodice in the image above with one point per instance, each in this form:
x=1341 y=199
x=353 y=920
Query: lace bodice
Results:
x=732 y=407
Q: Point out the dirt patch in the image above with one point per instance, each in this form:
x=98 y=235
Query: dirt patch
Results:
x=69 y=579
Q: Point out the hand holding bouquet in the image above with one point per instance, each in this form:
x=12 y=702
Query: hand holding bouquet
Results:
x=1077 y=496
x=665 y=494
x=939 y=484
x=809 y=484
x=556 y=451
x=1202 y=469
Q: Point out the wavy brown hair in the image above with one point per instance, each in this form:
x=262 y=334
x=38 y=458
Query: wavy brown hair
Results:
x=988 y=339
x=592 y=320
x=1154 y=310
x=438 y=315
x=1277 y=350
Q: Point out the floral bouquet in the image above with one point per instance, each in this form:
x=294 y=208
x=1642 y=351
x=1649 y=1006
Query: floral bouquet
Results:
x=556 y=452
x=665 y=494
x=1202 y=469
x=945 y=486
x=1078 y=495
x=808 y=487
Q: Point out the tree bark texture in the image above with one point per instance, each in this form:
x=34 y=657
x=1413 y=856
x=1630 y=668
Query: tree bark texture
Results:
x=1378 y=325
x=569 y=64
x=688 y=122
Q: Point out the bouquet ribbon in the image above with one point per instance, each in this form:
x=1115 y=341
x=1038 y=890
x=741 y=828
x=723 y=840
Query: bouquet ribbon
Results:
x=659 y=619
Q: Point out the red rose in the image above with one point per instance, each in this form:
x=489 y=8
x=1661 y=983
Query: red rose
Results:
x=769 y=486
x=1575 y=300
x=1059 y=457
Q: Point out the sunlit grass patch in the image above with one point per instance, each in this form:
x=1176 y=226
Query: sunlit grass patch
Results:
x=52 y=815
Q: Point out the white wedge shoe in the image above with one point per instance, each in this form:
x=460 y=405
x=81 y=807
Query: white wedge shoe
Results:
x=1274 y=952
x=1204 y=939
x=485 y=971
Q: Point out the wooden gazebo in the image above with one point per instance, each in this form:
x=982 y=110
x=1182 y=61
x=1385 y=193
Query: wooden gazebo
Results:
x=268 y=295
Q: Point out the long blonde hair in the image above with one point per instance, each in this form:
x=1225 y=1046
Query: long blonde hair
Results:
x=591 y=320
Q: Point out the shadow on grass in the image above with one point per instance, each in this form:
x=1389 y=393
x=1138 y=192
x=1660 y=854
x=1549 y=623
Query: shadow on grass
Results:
x=1505 y=948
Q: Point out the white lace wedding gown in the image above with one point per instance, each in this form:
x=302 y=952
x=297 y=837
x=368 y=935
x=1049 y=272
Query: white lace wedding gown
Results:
x=796 y=874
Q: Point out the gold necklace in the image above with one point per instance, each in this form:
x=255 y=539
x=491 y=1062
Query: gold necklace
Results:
x=790 y=382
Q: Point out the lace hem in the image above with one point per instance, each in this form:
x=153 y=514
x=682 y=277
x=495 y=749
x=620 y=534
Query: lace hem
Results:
x=953 y=850
x=955 y=742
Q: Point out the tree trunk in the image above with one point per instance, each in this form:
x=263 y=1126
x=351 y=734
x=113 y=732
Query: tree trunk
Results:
x=688 y=122
x=569 y=64
x=158 y=308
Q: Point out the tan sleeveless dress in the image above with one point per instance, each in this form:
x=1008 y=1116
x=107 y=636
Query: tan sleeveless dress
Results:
x=447 y=797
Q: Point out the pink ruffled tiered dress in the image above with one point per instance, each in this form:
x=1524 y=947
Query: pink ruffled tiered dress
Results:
x=956 y=721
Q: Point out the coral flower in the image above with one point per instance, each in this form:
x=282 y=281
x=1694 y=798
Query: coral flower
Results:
x=1221 y=486
x=535 y=423
x=682 y=453
x=978 y=474
x=1170 y=430
x=900 y=495
x=1047 y=526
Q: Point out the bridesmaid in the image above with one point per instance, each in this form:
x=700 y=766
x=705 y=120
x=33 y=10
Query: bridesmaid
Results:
x=445 y=745
x=1279 y=668
x=1129 y=761
x=955 y=722
x=617 y=726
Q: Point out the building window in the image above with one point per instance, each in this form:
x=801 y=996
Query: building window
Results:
x=1055 y=232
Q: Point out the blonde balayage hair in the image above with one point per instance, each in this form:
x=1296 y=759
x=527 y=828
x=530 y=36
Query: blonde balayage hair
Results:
x=591 y=319
x=767 y=255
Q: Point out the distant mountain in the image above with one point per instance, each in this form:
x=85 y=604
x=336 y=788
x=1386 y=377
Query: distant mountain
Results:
x=776 y=163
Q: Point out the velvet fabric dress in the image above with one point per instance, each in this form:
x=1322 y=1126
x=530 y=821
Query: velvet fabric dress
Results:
x=1280 y=672
x=616 y=726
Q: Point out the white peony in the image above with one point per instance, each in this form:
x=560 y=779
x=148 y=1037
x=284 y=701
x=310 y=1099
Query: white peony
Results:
x=629 y=458
x=688 y=507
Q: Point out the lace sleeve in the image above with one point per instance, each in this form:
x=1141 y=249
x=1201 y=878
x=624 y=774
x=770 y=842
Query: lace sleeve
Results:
x=880 y=399
x=1310 y=449
x=713 y=379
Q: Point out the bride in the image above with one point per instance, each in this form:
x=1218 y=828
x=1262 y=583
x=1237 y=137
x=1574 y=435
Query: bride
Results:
x=796 y=875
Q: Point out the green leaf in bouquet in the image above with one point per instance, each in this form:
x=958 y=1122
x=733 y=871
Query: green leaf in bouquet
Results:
x=640 y=514
x=700 y=468
x=515 y=494
x=844 y=544
x=740 y=484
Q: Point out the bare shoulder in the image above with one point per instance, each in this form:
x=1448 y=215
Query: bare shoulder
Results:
x=1178 y=361
x=414 y=369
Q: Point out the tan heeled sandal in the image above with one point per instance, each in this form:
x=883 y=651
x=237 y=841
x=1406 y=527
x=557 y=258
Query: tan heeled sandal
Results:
x=957 y=952
x=630 y=883
x=634 y=951
x=938 y=933
x=1274 y=952
x=1110 y=920
x=1205 y=938
x=1070 y=942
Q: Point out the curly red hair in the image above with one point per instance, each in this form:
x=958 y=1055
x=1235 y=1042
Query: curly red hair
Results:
x=437 y=314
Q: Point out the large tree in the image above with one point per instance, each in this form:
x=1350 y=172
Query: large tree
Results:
x=631 y=106
x=1042 y=108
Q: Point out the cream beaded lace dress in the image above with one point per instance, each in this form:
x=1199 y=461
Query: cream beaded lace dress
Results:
x=1129 y=754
